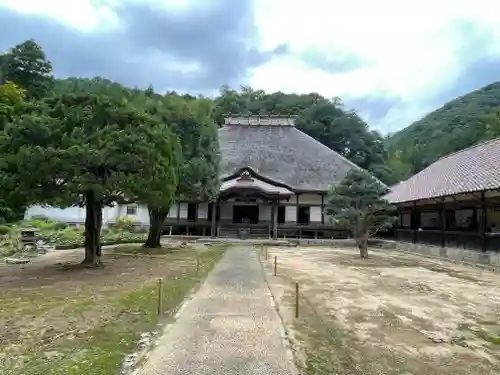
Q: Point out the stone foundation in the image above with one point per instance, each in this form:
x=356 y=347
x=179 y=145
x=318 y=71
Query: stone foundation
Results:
x=453 y=254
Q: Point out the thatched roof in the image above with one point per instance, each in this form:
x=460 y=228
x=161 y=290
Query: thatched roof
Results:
x=473 y=169
x=281 y=153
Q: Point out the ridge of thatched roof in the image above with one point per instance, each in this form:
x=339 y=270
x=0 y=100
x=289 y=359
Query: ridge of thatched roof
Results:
x=283 y=154
x=473 y=169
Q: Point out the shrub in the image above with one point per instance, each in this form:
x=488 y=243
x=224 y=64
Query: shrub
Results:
x=124 y=224
x=39 y=223
x=4 y=229
x=68 y=236
x=59 y=226
x=40 y=217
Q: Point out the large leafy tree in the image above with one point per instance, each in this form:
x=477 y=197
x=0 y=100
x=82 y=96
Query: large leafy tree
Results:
x=161 y=194
x=12 y=105
x=357 y=205
x=86 y=150
x=26 y=65
x=198 y=161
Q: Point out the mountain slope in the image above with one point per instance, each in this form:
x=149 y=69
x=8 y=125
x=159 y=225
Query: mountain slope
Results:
x=458 y=124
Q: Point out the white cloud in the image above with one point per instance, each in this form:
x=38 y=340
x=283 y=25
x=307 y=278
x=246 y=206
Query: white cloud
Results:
x=81 y=14
x=411 y=47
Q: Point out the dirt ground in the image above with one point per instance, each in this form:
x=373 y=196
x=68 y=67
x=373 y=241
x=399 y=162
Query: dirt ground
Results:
x=50 y=304
x=393 y=313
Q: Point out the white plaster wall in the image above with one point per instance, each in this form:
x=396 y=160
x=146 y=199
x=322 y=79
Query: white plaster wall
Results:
x=315 y=214
x=141 y=217
x=203 y=211
x=172 y=213
x=109 y=214
x=183 y=211
x=77 y=214
x=226 y=211
x=309 y=199
x=291 y=214
x=265 y=212
x=70 y=214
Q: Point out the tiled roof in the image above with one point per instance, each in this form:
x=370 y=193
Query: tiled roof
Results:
x=475 y=168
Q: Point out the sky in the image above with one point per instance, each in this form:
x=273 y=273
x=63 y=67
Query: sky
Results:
x=392 y=61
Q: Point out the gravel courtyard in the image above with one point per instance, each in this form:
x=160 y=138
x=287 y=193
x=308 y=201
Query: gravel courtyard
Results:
x=393 y=313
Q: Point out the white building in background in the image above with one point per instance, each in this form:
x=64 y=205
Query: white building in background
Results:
x=75 y=216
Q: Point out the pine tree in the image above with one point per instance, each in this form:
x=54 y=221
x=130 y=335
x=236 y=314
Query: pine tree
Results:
x=357 y=205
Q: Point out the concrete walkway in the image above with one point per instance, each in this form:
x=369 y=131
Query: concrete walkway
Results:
x=229 y=327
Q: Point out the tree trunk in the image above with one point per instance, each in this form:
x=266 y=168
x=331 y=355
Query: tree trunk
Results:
x=363 y=247
x=93 y=224
x=157 y=217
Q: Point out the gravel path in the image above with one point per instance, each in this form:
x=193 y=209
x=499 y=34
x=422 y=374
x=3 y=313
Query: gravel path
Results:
x=229 y=327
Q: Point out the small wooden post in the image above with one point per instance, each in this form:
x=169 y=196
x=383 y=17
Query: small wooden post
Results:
x=275 y=264
x=296 y=299
x=160 y=296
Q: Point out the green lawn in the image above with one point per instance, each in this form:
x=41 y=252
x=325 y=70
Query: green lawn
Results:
x=56 y=321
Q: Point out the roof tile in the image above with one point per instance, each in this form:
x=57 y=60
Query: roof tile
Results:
x=476 y=168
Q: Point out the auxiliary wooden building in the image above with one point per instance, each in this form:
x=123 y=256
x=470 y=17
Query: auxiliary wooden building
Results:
x=274 y=183
x=454 y=202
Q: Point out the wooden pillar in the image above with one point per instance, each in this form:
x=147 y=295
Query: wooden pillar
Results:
x=270 y=226
x=178 y=211
x=322 y=209
x=296 y=208
x=484 y=223
x=443 y=223
x=214 y=217
x=275 y=221
x=414 y=222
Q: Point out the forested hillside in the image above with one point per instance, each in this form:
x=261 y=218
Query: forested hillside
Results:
x=458 y=124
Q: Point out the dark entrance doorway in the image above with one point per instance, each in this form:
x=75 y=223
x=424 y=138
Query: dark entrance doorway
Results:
x=246 y=214
x=192 y=211
x=303 y=215
x=281 y=214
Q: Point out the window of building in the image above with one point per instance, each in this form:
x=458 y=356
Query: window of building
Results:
x=131 y=210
